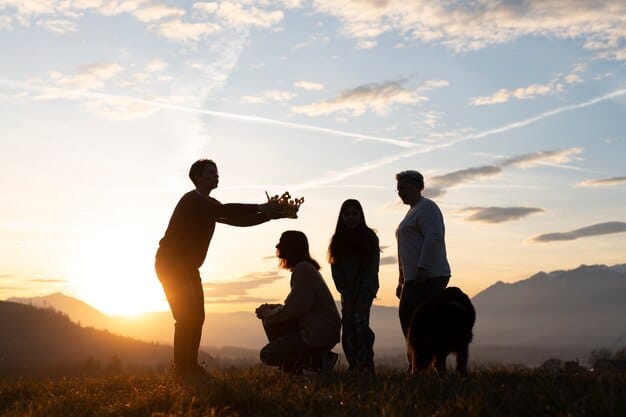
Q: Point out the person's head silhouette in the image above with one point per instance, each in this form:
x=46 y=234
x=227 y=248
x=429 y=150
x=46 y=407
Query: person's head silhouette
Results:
x=292 y=248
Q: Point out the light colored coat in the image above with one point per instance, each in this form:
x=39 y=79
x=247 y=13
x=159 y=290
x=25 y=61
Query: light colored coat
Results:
x=421 y=242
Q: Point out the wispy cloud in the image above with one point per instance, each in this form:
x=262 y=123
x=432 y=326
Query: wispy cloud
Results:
x=378 y=98
x=61 y=16
x=58 y=26
x=269 y=95
x=602 y=76
x=593 y=230
x=6 y=23
x=234 y=14
x=462 y=26
x=557 y=85
x=164 y=105
x=309 y=85
x=552 y=158
x=241 y=286
x=179 y=30
x=437 y=185
x=603 y=182
x=424 y=149
x=49 y=280
x=155 y=65
x=85 y=83
x=498 y=214
x=522 y=93
x=155 y=12
x=311 y=40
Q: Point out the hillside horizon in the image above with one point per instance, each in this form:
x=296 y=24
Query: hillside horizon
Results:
x=568 y=311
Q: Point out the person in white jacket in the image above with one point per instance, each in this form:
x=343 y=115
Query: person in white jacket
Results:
x=422 y=260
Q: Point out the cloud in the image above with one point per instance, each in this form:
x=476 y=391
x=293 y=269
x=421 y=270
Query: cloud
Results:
x=278 y=95
x=455 y=178
x=155 y=12
x=235 y=15
x=557 y=157
x=430 y=119
x=523 y=93
x=311 y=40
x=433 y=85
x=87 y=78
x=269 y=95
x=378 y=98
x=557 y=85
x=205 y=8
x=574 y=76
x=9 y=288
x=498 y=214
x=309 y=85
x=120 y=108
x=437 y=185
x=602 y=76
x=155 y=65
x=178 y=30
x=367 y=44
x=593 y=230
x=49 y=280
x=58 y=26
x=464 y=26
x=5 y=23
x=240 y=287
x=603 y=182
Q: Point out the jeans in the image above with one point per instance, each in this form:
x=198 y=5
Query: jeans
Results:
x=183 y=290
x=288 y=351
x=414 y=294
x=357 y=338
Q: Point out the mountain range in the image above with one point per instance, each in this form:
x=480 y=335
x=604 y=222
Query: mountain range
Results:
x=561 y=311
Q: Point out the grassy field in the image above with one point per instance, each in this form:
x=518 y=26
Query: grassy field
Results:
x=264 y=392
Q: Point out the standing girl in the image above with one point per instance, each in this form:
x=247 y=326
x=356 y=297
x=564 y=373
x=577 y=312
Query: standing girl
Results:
x=354 y=256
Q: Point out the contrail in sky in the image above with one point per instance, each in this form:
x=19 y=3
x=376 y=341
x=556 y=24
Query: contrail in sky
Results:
x=223 y=115
x=338 y=176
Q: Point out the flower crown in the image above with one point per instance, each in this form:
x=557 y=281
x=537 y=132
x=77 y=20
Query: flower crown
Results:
x=289 y=205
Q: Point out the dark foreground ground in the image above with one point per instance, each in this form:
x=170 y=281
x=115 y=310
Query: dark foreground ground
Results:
x=263 y=392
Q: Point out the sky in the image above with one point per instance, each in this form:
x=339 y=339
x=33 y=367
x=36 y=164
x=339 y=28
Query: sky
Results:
x=514 y=111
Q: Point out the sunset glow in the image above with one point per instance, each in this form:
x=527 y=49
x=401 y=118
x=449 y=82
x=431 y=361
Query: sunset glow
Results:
x=516 y=121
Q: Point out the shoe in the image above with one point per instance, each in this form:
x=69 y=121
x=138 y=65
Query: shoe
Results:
x=328 y=362
x=193 y=375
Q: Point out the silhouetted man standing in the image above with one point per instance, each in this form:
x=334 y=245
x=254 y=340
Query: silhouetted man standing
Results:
x=183 y=250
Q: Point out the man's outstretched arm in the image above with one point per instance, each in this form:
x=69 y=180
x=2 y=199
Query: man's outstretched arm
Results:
x=236 y=214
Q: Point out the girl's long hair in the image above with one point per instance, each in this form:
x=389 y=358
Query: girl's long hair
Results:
x=293 y=247
x=361 y=242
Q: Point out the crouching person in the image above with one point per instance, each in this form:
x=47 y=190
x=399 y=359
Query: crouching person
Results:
x=302 y=331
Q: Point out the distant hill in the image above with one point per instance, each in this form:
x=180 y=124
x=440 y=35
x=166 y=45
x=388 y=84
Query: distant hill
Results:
x=77 y=310
x=583 y=307
x=570 y=311
x=36 y=338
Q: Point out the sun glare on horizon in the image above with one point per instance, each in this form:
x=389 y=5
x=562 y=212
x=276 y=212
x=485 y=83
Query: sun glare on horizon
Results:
x=116 y=276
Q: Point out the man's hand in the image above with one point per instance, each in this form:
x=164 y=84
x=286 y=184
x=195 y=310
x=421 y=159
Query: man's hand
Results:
x=273 y=210
x=399 y=291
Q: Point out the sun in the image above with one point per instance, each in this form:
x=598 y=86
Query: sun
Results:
x=114 y=273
